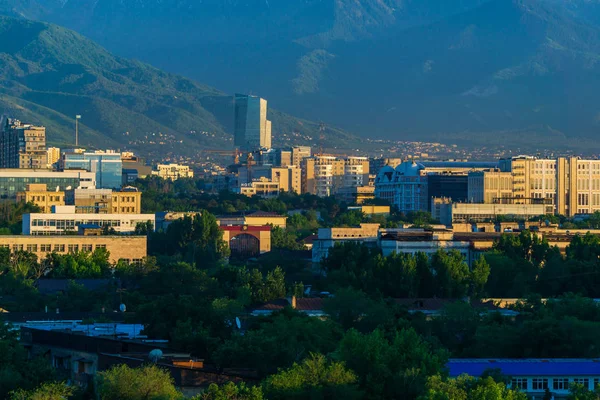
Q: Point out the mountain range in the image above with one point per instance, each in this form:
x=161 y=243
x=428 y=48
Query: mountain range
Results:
x=49 y=74
x=463 y=70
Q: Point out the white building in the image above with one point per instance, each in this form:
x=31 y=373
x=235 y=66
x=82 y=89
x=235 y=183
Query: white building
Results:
x=64 y=220
x=173 y=171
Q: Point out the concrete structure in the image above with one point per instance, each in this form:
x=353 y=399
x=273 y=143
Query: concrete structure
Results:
x=252 y=129
x=329 y=237
x=373 y=210
x=131 y=249
x=326 y=175
x=283 y=179
x=23 y=146
x=448 y=213
x=534 y=376
x=173 y=171
x=247 y=241
x=256 y=218
x=38 y=194
x=261 y=187
x=64 y=220
x=53 y=157
x=376 y=164
x=13 y=181
x=452 y=185
x=490 y=187
x=107 y=166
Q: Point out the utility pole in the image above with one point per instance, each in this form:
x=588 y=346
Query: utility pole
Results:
x=77 y=118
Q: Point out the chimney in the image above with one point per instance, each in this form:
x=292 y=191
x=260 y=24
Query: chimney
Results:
x=293 y=302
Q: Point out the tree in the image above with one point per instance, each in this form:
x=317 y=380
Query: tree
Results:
x=479 y=277
x=313 y=378
x=394 y=367
x=451 y=274
x=231 y=391
x=284 y=239
x=148 y=382
x=467 y=387
x=47 y=391
x=579 y=392
x=353 y=309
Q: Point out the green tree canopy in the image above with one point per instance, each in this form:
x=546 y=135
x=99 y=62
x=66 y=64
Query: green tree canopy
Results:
x=148 y=382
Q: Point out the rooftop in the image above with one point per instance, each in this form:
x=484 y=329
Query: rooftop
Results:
x=526 y=367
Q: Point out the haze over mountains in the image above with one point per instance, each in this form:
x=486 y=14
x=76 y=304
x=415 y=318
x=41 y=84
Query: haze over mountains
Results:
x=406 y=69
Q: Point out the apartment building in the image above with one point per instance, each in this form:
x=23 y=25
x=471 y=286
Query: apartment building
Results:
x=326 y=175
x=299 y=153
x=53 y=157
x=23 y=146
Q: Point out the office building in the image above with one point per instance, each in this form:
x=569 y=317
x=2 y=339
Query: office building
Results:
x=252 y=129
x=65 y=220
x=53 y=157
x=327 y=238
x=299 y=153
x=127 y=248
x=23 y=146
x=173 y=171
x=356 y=194
x=107 y=166
x=490 y=187
x=13 y=181
x=407 y=185
x=261 y=187
x=253 y=218
x=449 y=213
x=452 y=185
x=375 y=164
x=38 y=194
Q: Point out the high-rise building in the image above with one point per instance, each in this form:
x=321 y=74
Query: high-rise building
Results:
x=53 y=155
x=252 y=129
x=299 y=153
x=107 y=166
x=326 y=175
x=489 y=187
x=23 y=146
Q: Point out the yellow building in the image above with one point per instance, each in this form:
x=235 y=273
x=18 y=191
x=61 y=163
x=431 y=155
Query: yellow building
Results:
x=489 y=187
x=131 y=249
x=326 y=175
x=289 y=178
x=173 y=171
x=38 y=194
x=53 y=156
x=127 y=201
x=356 y=195
x=257 y=218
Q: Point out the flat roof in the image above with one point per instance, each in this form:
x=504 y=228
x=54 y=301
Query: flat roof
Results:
x=526 y=367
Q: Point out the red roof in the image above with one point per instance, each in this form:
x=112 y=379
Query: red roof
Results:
x=310 y=239
x=309 y=304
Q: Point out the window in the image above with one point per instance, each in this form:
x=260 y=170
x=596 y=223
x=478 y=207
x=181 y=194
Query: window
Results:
x=17 y=247
x=46 y=247
x=100 y=246
x=560 y=383
x=519 y=383
x=32 y=248
x=73 y=248
x=87 y=247
x=539 y=384
x=60 y=248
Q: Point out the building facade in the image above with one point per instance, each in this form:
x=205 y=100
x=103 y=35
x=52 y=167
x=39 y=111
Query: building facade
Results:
x=329 y=237
x=53 y=157
x=131 y=249
x=23 y=146
x=107 y=166
x=13 y=181
x=299 y=153
x=173 y=171
x=252 y=129
x=489 y=187
x=326 y=175
x=448 y=212
x=64 y=221
x=38 y=194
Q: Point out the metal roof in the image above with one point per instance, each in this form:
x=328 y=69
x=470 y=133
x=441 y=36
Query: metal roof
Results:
x=526 y=367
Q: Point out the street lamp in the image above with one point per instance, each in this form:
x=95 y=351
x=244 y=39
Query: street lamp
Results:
x=77 y=118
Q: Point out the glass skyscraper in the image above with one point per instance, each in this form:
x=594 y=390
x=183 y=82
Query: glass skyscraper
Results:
x=107 y=167
x=252 y=130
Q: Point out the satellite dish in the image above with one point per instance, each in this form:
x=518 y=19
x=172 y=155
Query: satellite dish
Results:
x=238 y=323
x=155 y=355
x=122 y=307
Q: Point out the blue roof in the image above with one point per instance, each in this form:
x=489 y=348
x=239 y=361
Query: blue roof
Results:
x=526 y=367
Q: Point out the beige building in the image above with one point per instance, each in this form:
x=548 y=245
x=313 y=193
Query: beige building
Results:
x=173 y=171
x=53 y=156
x=356 y=195
x=257 y=218
x=490 y=187
x=289 y=178
x=38 y=194
x=329 y=237
x=299 y=153
x=448 y=213
x=262 y=187
x=128 y=248
x=23 y=146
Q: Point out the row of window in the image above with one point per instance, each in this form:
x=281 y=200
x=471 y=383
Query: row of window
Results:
x=541 y=384
x=58 y=248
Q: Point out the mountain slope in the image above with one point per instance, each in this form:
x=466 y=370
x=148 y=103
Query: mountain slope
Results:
x=49 y=74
